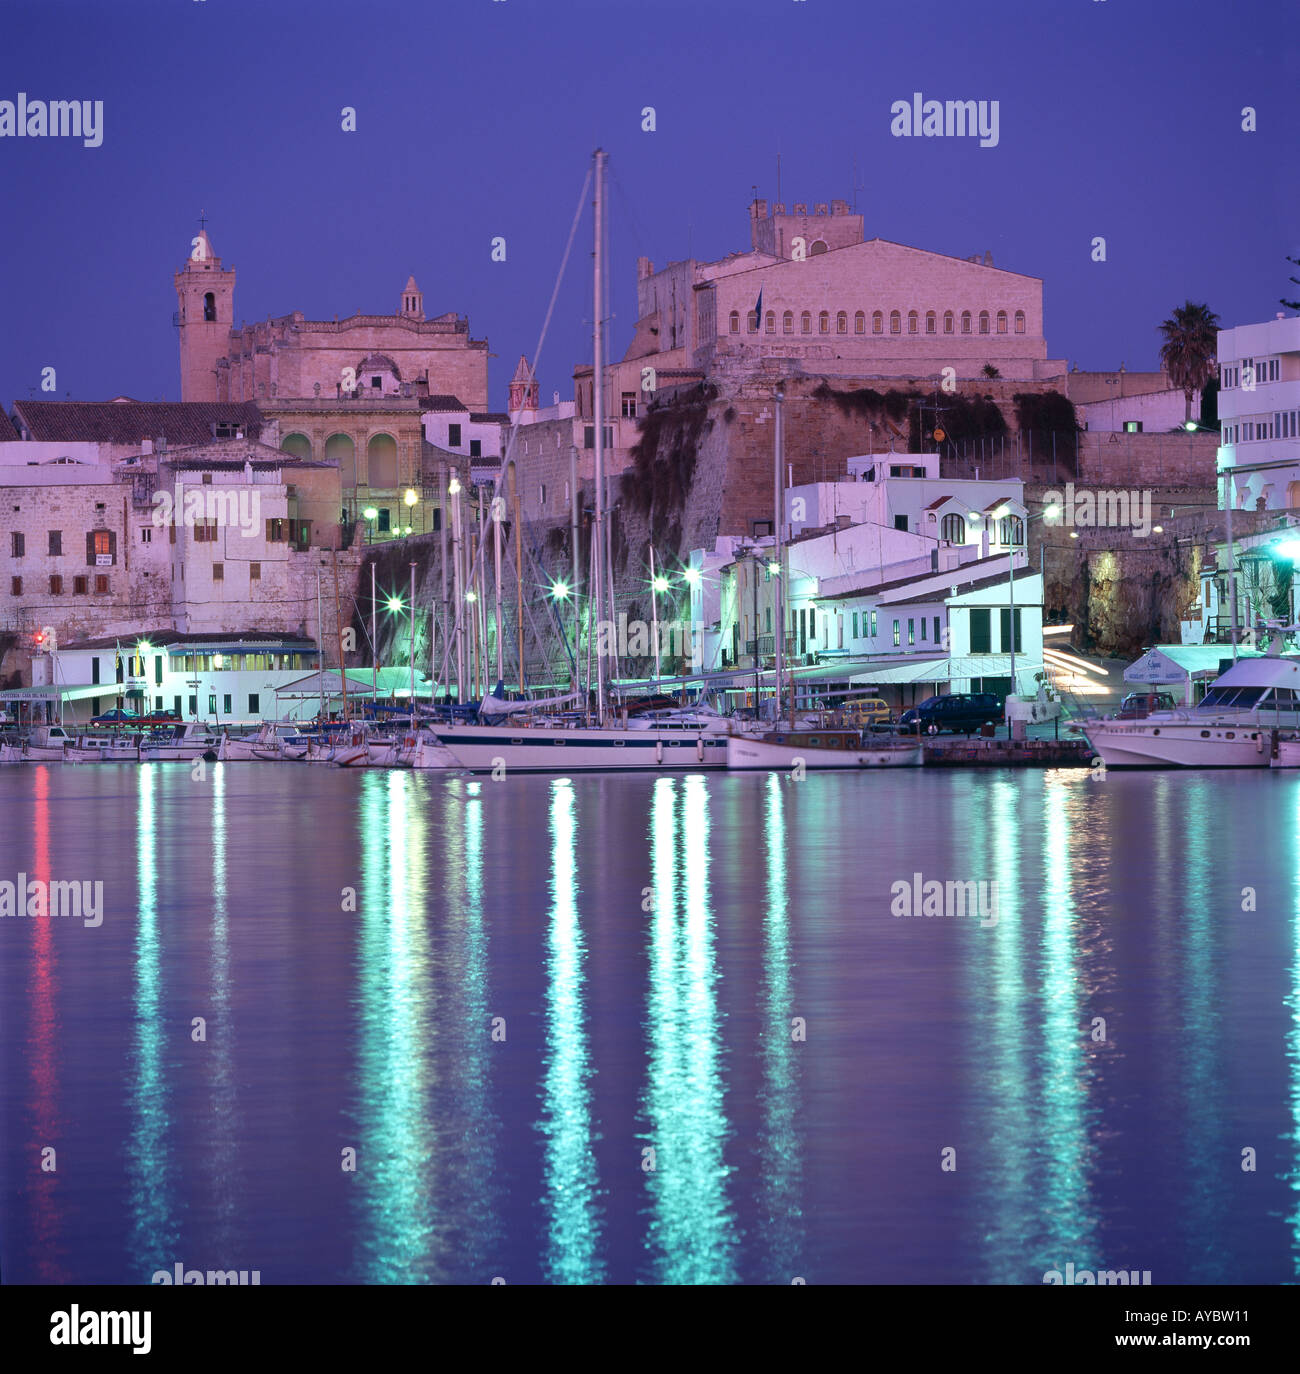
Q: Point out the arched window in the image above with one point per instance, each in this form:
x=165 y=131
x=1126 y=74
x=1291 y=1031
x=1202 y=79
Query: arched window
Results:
x=877 y=322
x=860 y=322
x=819 y=246
x=753 y=321
x=842 y=322
x=381 y=462
x=805 y=322
x=735 y=321
x=1020 y=321
x=912 y=320
x=340 y=449
x=895 y=322
x=1002 y=321
x=1011 y=530
x=984 y=321
x=929 y=322
x=824 y=322
x=209 y=307
x=965 y=321
x=769 y=322
x=787 y=322
x=947 y=321
x=953 y=529
x=297 y=444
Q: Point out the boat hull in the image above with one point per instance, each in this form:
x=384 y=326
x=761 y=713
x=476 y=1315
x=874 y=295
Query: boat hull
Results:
x=743 y=753
x=1152 y=743
x=482 y=749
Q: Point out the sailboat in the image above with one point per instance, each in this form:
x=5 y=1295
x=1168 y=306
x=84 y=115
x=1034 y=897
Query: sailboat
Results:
x=790 y=747
x=527 y=742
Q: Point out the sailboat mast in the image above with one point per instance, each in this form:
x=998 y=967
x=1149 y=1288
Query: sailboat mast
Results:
x=320 y=644
x=338 y=625
x=413 y=646
x=598 y=419
x=778 y=455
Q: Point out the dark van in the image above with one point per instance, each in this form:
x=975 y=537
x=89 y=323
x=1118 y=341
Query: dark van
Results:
x=960 y=712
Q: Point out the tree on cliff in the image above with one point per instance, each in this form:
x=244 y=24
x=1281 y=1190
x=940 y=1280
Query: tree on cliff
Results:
x=1188 y=352
x=1295 y=281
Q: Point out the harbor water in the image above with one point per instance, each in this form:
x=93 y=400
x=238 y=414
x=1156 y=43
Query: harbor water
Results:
x=393 y=1027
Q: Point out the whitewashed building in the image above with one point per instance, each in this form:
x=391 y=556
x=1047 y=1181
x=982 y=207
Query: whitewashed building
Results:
x=1259 y=415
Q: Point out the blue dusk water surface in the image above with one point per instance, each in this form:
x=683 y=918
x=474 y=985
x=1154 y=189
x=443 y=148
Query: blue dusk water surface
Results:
x=655 y=1030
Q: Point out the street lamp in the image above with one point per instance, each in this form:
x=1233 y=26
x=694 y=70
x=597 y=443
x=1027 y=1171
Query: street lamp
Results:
x=370 y=514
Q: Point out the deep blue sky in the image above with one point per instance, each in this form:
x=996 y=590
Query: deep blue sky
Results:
x=477 y=118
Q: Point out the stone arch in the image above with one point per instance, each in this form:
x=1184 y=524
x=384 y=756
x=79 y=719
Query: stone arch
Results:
x=1002 y=321
x=787 y=322
x=735 y=321
x=860 y=322
x=819 y=246
x=381 y=462
x=912 y=321
x=340 y=449
x=805 y=322
x=984 y=321
x=297 y=443
x=895 y=322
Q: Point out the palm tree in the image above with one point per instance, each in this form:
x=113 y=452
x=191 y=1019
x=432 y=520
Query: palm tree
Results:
x=1188 y=352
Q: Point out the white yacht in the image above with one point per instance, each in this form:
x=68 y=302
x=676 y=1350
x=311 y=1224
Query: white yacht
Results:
x=529 y=747
x=186 y=742
x=818 y=749
x=1232 y=727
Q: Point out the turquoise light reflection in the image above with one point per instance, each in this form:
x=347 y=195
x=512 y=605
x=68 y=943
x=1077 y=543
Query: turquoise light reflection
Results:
x=225 y=1129
x=155 y=1233
x=396 y=1163
x=1064 y=1197
x=1003 y=1011
x=1202 y=1218
x=691 y=1233
x=570 y=1196
x=780 y=1213
x=1292 y=1002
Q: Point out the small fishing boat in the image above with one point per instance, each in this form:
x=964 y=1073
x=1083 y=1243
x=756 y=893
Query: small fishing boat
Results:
x=111 y=748
x=821 y=749
x=180 y=743
x=47 y=743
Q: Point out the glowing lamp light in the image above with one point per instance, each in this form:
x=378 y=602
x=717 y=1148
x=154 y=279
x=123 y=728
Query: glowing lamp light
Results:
x=1289 y=549
x=407 y=530
x=774 y=568
x=661 y=584
x=410 y=498
x=144 y=646
x=471 y=596
x=1157 y=529
x=1052 y=511
x=559 y=590
x=1190 y=426
x=395 y=604
x=692 y=575
x=370 y=513
x=1074 y=534
x=218 y=660
x=454 y=488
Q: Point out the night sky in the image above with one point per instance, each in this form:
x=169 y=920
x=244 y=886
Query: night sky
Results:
x=477 y=118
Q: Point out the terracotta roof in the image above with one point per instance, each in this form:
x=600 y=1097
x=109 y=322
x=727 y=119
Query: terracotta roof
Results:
x=489 y=417
x=7 y=432
x=442 y=403
x=957 y=574
x=161 y=639
x=979 y=585
x=130 y=422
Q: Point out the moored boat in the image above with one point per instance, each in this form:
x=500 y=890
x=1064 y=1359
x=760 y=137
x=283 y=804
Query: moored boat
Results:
x=1230 y=728
x=822 y=749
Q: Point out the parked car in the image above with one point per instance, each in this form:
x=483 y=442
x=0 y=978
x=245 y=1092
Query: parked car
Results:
x=867 y=711
x=961 y=712
x=1139 y=704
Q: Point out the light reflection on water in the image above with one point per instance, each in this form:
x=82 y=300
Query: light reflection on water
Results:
x=656 y=1030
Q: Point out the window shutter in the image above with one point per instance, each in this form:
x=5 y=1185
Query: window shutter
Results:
x=112 y=545
x=90 y=548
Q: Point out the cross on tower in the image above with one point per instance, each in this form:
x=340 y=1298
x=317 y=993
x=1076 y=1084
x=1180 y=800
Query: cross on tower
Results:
x=203 y=220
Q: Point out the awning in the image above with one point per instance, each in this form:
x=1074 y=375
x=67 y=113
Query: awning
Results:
x=1177 y=663
x=79 y=692
x=971 y=666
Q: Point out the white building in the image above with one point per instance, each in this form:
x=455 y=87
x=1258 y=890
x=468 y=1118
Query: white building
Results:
x=1259 y=415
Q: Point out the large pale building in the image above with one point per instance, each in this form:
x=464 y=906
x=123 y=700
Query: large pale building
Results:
x=1259 y=414
x=813 y=291
x=290 y=357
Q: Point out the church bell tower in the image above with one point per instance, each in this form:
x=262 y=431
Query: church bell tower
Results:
x=205 y=294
